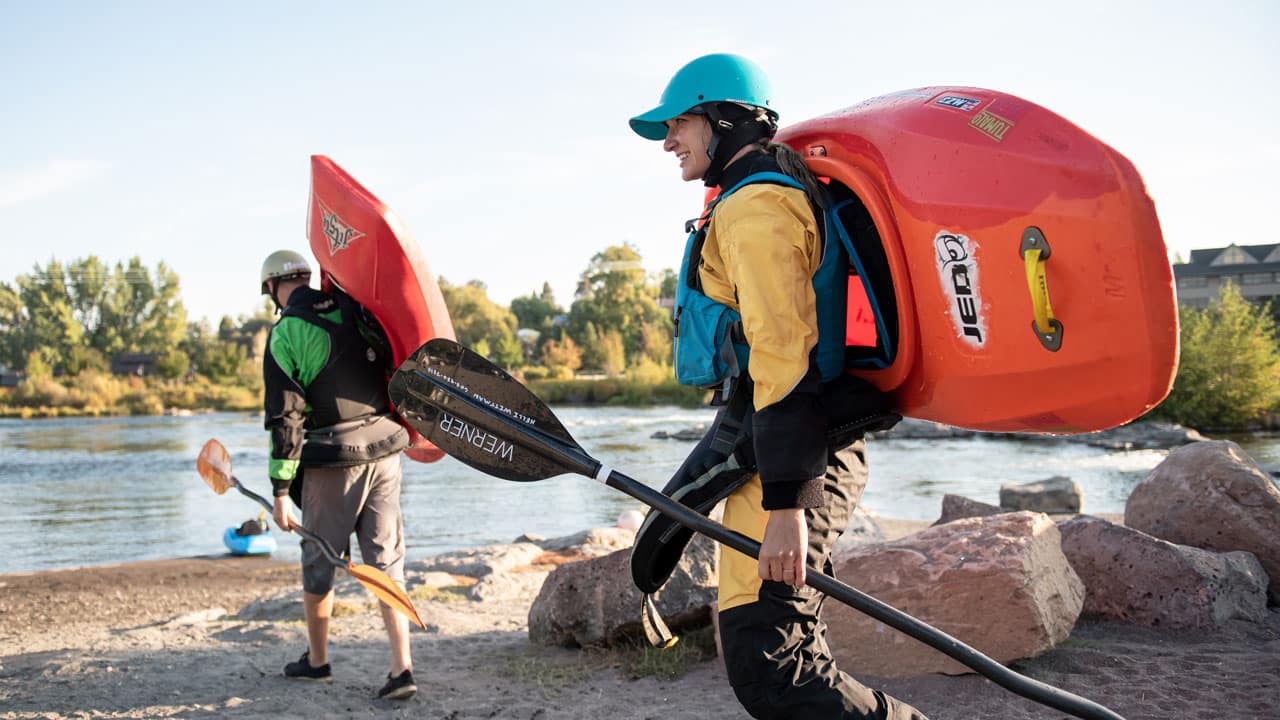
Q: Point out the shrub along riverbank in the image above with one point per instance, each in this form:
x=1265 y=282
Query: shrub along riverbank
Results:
x=95 y=394
x=617 y=391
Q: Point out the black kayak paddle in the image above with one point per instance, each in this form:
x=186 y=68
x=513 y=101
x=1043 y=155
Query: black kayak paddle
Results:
x=476 y=412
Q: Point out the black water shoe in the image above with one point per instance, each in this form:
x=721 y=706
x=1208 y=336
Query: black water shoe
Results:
x=399 y=688
x=301 y=669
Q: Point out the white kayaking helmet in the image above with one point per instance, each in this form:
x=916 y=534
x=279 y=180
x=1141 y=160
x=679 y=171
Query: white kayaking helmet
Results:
x=284 y=265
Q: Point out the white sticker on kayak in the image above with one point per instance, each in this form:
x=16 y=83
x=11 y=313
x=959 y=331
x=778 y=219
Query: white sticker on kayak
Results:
x=958 y=272
x=339 y=233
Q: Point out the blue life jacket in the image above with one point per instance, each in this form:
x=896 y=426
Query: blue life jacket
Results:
x=710 y=346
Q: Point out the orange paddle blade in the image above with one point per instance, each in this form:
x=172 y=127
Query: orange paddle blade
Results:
x=386 y=589
x=214 y=465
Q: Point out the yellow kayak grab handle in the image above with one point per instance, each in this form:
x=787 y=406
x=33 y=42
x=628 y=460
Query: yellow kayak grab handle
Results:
x=1035 y=251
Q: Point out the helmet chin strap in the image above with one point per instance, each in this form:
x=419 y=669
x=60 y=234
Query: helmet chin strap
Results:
x=728 y=137
x=274 y=288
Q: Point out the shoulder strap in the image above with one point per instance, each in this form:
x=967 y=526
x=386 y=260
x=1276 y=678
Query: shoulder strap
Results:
x=311 y=311
x=698 y=228
x=367 y=324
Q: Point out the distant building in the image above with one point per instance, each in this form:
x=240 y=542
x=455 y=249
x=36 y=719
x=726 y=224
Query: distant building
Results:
x=1254 y=269
x=140 y=364
x=9 y=378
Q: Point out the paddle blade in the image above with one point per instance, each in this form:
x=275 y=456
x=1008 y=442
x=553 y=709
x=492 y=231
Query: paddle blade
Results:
x=214 y=465
x=381 y=584
x=476 y=412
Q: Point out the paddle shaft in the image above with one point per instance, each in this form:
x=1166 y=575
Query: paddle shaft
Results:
x=325 y=547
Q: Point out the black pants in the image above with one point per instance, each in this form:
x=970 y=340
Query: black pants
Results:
x=775 y=646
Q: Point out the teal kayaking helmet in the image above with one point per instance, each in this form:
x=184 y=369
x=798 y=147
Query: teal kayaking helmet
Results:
x=732 y=91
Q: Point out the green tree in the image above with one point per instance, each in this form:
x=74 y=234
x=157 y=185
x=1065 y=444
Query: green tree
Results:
x=198 y=344
x=49 y=323
x=536 y=311
x=13 y=317
x=592 y=347
x=81 y=359
x=507 y=351
x=37 y=366
x=140 y=314
x=68 y=311
x=223 y=362
x=173 y=364
x=613 y=295
x=667 y=280
x=1229 y=368
x=88 y=283
x=481 y=324
x=562 y=356
x=613 y=358
x=655 y=343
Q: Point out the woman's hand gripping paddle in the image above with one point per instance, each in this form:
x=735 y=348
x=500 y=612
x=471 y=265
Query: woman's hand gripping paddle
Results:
x=480 y=415
x=214 y=465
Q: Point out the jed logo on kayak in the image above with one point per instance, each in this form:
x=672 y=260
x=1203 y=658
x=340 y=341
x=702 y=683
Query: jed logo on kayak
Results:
x=486 y=441
x=339 y=233
x=959 y=275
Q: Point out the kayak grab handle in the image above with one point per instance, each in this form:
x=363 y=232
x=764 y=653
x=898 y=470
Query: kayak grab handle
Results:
x=1035 y=251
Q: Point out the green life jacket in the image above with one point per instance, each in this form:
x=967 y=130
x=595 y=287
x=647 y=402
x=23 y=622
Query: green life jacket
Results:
x=349 y=420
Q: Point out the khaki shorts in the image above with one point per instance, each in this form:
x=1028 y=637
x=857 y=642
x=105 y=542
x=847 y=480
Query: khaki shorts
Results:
x=361 y=499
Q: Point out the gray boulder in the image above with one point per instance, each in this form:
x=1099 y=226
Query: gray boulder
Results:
x=593 y=542
x=959 y=507
x=508 y=587
x=1145 y=435
x=1056 y=495
x=913 y=429
x=594 y=602
x=1211 y=495
x=690 y=434
x=1129 y=575
x=480 y=561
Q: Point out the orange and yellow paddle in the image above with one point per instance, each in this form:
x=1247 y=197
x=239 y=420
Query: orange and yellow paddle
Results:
x=214 y=465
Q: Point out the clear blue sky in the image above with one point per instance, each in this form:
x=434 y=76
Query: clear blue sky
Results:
x=181 y=132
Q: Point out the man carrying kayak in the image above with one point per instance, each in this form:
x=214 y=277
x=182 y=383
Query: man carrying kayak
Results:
x=335 y=450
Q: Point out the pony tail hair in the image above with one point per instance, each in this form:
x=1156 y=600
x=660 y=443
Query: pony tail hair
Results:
x=792 y=164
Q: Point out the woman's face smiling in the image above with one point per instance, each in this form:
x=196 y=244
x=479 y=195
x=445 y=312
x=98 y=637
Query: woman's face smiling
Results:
x=688 y=136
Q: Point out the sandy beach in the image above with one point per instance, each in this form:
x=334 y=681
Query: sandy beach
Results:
x=207 y=637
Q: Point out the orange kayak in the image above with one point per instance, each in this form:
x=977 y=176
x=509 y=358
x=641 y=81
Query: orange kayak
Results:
x=363 y=248
x=1025 y=284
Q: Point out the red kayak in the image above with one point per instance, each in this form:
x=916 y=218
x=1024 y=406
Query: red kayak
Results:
x=1024 y=284
x=364 y=249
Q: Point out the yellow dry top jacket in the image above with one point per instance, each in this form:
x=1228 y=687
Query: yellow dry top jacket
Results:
x=761 y=251
x=759 y=257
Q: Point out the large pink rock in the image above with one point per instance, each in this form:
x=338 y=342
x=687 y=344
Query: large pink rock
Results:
x=1132 y=576
x=998 y=583
x=1211 y=495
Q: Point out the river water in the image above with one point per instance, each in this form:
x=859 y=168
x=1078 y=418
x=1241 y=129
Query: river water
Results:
x=94 y=491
